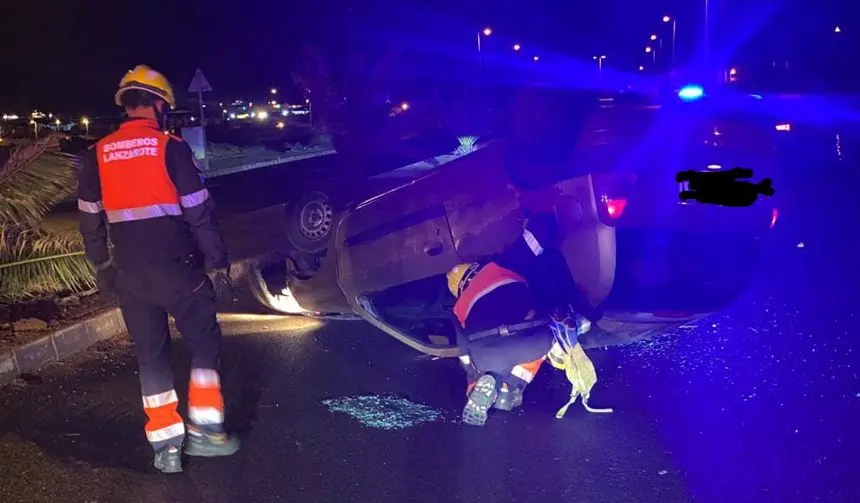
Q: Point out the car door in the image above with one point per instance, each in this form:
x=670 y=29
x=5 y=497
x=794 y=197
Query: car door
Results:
x=484 y=209
x=395 y=237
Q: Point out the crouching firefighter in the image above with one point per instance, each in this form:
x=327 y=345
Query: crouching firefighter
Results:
x=144 y=185
x=514 y=312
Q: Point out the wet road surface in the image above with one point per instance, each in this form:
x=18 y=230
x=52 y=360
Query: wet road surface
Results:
x=755 y=404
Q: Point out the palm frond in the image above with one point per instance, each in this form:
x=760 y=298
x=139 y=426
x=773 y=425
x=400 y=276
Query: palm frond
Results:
x=35 y=178
x=35 y=263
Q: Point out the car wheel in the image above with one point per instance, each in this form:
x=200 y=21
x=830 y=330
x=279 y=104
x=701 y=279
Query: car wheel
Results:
x=310 y=222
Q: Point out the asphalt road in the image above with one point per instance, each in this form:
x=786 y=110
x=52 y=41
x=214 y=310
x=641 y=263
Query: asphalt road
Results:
x=755 y=404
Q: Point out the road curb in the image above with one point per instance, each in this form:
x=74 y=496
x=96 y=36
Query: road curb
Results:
x=61 y=344
x=80 y=336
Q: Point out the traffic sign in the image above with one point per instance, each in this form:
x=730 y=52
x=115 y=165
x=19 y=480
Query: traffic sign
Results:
x=199 y=84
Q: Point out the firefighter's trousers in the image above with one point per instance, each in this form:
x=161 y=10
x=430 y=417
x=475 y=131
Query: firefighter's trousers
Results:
x=147 y=295
x=515 y=358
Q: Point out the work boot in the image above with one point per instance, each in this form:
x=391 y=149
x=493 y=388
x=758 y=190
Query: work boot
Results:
x=169 y=460
x=481 y=400
x=510 y=397
x=210 y=443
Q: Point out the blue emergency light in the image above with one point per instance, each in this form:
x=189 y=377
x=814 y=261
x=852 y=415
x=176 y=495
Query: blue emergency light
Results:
x=691 y=92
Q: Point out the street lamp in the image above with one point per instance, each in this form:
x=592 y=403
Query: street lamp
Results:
x=274 y=91
x=35 y=128
x=653 y=37
x=667 y=19
x=652 y=52
x=641 y=68
x=485 y=32
x=599 y=60
x=86 y=122
x=57 y=122
x=517 y=47
x=536 y=58
x=837 y=30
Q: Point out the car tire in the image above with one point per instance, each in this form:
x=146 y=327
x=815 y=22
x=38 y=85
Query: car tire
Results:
x=280 y=303
x=310 y=222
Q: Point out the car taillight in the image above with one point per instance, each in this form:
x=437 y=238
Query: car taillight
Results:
x=615 y=207
x=612 y=194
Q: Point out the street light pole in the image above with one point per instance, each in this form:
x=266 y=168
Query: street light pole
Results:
x=674 y=30
x=674 y=21
x=486 y=32
x=707 y=34
x=599 y=60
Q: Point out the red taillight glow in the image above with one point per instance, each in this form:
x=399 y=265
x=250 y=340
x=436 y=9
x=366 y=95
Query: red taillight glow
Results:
x=615 y=207
x=774 y=216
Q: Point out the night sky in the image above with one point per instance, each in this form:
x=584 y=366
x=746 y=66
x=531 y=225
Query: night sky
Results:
x=67 y=56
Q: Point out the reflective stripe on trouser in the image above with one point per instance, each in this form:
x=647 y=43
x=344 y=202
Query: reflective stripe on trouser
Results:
x=145 y=305
x=205 y=403
x=165 y=426
x=526 y=372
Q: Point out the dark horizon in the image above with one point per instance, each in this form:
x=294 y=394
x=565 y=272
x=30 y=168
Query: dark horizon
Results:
x=67 y=58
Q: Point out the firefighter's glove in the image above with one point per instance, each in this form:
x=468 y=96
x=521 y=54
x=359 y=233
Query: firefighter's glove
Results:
x=222 y=284
x=106 y=278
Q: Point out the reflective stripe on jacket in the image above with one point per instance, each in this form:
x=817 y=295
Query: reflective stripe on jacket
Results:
x=486 y=280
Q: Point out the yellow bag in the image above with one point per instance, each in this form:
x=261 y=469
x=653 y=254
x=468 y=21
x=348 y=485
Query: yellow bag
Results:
x=578 y=369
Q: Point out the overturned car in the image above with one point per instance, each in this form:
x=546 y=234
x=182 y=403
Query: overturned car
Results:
x=605 y=168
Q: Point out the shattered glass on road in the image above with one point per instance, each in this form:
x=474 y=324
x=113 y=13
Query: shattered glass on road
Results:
x=383 y=412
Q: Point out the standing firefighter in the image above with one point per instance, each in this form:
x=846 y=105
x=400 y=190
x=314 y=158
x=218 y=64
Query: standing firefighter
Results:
x=144 y=185
x=512 y=313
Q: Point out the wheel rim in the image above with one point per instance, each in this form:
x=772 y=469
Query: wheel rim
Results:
x=315 y=219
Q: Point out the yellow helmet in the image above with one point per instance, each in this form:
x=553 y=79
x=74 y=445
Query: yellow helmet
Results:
x=146 y=79
x=459 y=276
